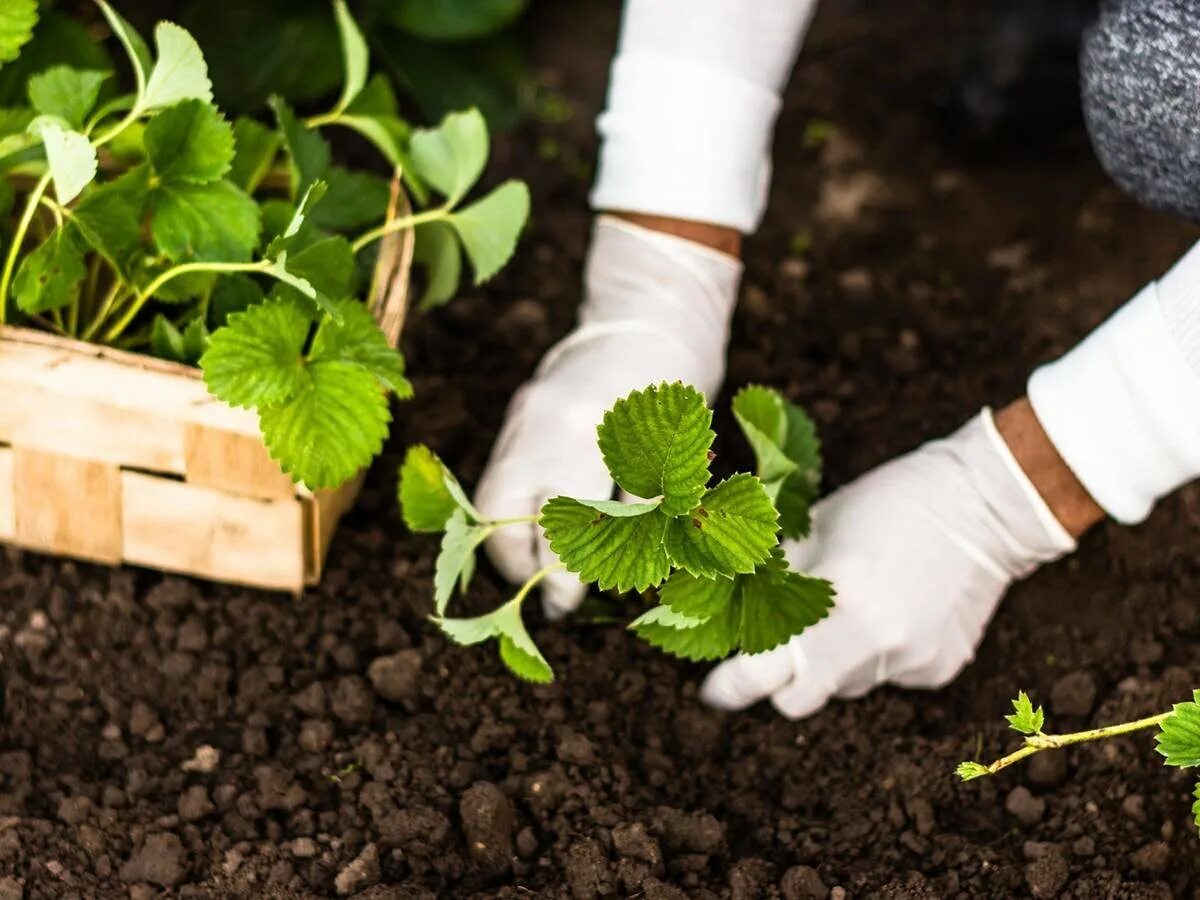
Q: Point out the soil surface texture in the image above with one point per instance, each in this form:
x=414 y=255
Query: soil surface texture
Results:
x=165 y=736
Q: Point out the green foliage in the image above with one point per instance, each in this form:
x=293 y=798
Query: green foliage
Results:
x=517 y=649
x=449 y=20
x=614 y=545
x=1179 y=739
x=1025 y=719
x=71 y=158
x=189 y=142
x=969 y=771
x=428 y=492
x=49 y=277
x=66 y=93
x=489 y=228
x=17 y=18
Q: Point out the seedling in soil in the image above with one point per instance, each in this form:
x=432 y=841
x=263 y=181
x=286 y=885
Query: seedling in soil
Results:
x=1177 y=738
x=706 y=555
x=148 y=221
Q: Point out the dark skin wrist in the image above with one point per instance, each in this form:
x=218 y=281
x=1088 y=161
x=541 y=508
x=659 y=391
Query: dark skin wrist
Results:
x=717 y=237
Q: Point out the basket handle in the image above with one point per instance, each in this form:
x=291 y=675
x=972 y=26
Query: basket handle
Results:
x=390 y=283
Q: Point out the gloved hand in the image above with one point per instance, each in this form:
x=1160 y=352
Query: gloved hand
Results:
x=656 y=308
x=920 y=552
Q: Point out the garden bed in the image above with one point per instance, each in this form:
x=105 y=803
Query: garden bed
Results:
x=357 y=751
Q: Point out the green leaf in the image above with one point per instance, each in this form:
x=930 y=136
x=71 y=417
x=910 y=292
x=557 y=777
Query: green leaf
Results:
x=331 y=428
x=1025 y=719
x=357 y=338
x=698 y=598
x=17 y=19
x=376 y=99
x=214 y=222
x=656 y=442
x=429 y=493
x=437 y=250
x=49 y=276
x=731 y=532
x=255 y=147
x=1179 y=736
x=714 y=638
x=451 y=157
x=327 y=265
x=456 y=559
x=386 y=133
x=352 y=200
x=517 y=649
x=489 y=228
x=1196 y=806
x=255 y=360
x=110 y=219
x=354 y=55
x=71 y=158
x=969 y=771
x=455 y=20
x=66 y=93
x=291 y=233
x=135 y=47
x=232 y=294
x=616 y=551
x=307 y=150
x=196 y=341
x=166 y=342
x=189 y=142
x=179 y=72
x=777 y=605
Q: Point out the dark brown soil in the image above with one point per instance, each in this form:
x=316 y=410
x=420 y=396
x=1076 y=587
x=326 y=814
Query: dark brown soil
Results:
x=163 y=734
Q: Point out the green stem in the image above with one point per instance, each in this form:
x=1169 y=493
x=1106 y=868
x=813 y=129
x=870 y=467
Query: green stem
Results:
x=329 y=118
x=1036 y=743
x=18 y=238
x=106 y=306
x=130 y=117
x=534 y=580
x=404 y=222
x=134 y=308
x=515 y=520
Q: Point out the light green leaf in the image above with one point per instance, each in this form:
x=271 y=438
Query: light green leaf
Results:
x=232 y=294
x=166 y=342
x=526 y=666
x=308 y=151
x=352 y=200
x=714 y=638
x=17 y=19
x=1025 y=718
x=386 y=133
x=656 y=442
x=135 y=48
x=429 y=493
x=730 y=533
x=1196 y=806
x=255 y=360
x=489 y=228
x=1179 y=736
x=71 y=158
x=666 y=616
x=179 y=72
x=354 y=55
x=521 y=654
x=214 y=222
x=189 y=142
x=255 y=147
x=776 y=605
x=437 y=251
x=66 y=93
x=357 y=339
x=332 y=427
x=456 y=559
x=49 y=276
x=969 y=771
x=698 y=598
x=624 y=552
x=450 y=158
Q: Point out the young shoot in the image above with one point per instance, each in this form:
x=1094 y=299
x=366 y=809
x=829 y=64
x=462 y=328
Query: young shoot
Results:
x=706 y=556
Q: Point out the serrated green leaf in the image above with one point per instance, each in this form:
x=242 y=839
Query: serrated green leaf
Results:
x=450 y=158
x=354 y=55
x=489 y=228
x=327 y=265
x=110 y=219
x=969 y=771
x=436 y=250
x=232 y=294
x=698 y=598
x=17 y=19
x=66 y=93
x=135 y=47
x=255 y=360
x=615 y=551
x=429 y=493
x=49 y=276
x=189 y=142
x=776 y=606
x=526 y=666
x=357 y=338
x=502 y=623
x=1179 y=735
x=292 y=233
x=656 y=442
x=731 y=532
x=456 y=558
x=714 y=638
x=179 y=72
x=71 y=158
x=214 y=222
x=1025 y=719
x=308 y=151
x=255 y=148
x=331 y=428
x=166 y=341
x=352 y=200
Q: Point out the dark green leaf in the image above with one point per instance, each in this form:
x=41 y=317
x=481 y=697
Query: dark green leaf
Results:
x=214 y=222
x=255 y=148
x=437 y=251
x=352 y=200
x=732 y=531
x=49 y=276
x=712 y=638
x=615 y=551
x=66 y=93
x=232 y=294
x=327 y=265
x=307 y=150
x=454 y=20
x=777 y=605
x=166 y=342
x=110 y=219
x=189 y=142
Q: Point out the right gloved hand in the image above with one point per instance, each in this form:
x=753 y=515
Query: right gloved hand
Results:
x=656 y=308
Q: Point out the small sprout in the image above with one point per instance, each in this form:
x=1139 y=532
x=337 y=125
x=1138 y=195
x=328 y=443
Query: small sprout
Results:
x=969 y=771
x=1025 y=718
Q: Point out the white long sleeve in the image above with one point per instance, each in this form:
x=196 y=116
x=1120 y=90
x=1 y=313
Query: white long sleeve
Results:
x=693 y=96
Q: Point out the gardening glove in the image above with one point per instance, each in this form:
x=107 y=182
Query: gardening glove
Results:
x=656 y=308
x=920 y=552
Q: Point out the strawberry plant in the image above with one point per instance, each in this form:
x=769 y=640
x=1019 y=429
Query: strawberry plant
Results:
x=1177 y=737
x=710 y=552
x=146 y=220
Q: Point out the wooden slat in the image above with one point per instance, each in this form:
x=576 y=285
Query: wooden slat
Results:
x=323 y=510
x=67 y=505
x=203 y=531
x=8 y=501
x=237 y=463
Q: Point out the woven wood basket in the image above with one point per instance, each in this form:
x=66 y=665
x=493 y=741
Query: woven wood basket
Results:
x=115 y=457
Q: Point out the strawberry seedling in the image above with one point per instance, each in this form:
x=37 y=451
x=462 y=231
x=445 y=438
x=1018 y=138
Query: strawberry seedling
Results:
x=710 y=553
x=145 y=220
x=1177 y=737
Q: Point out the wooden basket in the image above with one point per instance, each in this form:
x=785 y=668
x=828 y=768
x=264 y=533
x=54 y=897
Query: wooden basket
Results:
x=112 y=457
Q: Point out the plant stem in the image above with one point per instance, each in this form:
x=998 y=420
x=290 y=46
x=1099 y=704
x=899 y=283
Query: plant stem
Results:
x=328 y=118
x=134 y=308
x=404 y=222
x=515 y=520
x=106 y=306
x=534 y=580
x=18 y=238
x=1036 y=743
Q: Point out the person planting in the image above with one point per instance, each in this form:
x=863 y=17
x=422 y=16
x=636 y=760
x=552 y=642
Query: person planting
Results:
x=922 y=549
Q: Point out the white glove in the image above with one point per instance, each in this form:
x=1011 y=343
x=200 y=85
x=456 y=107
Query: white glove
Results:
x=920 y=552
x=656 y=308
